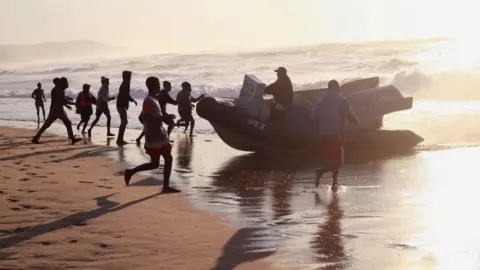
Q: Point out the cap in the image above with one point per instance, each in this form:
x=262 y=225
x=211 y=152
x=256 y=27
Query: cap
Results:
x=86 y=86
x=281 y=70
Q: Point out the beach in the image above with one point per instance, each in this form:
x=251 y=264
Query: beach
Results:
x=410 y=211
x=67 y=207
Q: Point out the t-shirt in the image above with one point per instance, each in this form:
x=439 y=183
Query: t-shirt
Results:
x=330 y=114
x=184 y=101
x=124 y=98
x=155 y=135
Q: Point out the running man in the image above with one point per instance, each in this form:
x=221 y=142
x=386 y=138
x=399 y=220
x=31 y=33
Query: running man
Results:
x=84 y=106
x=329 y=114
x=39 y=96
x=156 y=138
x=185 y=106
x=57 y=112
x=164 y=98
x=102 y=107
x=123 y=101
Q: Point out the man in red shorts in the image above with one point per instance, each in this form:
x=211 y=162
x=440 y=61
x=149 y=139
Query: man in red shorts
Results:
x=330 y=114
x=156 y=139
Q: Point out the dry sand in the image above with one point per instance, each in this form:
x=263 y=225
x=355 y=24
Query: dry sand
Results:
x=66 y=207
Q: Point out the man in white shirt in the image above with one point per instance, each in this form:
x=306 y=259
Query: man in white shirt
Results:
x=329 y=114
x=157 y=143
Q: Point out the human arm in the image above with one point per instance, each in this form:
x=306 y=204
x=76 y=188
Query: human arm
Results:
x=43 y=96
x=33 y=94
x=197 y=99
x=132 y=100
x=271 y=88
x=349 y=113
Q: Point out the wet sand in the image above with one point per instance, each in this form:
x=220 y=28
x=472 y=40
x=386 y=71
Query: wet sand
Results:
x=410 y=211
x=66 y=207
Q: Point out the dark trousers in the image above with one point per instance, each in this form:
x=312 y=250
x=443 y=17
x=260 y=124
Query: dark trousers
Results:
x=52 y=116
x=123 y=123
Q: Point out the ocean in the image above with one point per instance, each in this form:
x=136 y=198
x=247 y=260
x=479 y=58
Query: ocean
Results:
x=405 y=212
x=440 y=76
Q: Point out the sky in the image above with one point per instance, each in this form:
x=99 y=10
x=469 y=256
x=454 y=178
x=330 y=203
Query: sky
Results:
x=190 y=25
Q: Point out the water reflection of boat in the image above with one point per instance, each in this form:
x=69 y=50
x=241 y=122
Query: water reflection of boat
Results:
x=243 y=123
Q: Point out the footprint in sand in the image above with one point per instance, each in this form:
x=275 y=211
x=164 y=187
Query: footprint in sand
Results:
x=7 y=177
x=12 y=199
x=15 y=209
x=49 y=182
x=28 y=206
x=3 y=192
x=105 y=187
x=85 y=182
x=31 y=173
x=24 y=179
x=76 y=166
x=45 y=243
x=18 y=162
x=52 y=156
x=104 y=179
x=22 y=169
x=73 y=241
x=103 y=245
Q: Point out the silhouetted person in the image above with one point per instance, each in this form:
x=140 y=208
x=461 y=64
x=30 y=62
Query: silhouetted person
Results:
x=84 y=106
x=103 y=98
x=156 y=138
x=184 y=100
x=329 y=114
x=57 y=112
x=39 y=96
x=282 y=91
x=164 y=98
x=123 y=101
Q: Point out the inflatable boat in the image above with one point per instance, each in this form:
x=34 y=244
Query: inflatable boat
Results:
x=244 y=123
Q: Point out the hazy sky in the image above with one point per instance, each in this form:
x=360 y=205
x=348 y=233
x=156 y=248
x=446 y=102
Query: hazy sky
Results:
x=180 y=25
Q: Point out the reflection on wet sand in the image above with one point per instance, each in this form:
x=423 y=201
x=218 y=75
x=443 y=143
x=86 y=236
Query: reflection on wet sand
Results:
x=328 y=242
x=184 y=153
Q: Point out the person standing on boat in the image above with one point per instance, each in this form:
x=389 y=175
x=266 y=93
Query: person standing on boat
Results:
x=282 y=91
x=329 y=115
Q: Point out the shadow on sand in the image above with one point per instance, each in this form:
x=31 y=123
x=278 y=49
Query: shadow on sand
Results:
x=105 y=206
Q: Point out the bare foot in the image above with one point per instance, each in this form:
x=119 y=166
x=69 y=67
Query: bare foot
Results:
x=167 y=190
x=127 y=176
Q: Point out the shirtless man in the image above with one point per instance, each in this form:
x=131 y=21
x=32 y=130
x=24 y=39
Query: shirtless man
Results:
x=39 y=96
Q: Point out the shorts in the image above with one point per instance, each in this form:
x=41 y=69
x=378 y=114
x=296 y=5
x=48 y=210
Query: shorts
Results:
x=169 y=120
x=185 y=114
x=102 y=108
x=155 y=153
x=38 y=104
x=85 y=116
x=333 y=152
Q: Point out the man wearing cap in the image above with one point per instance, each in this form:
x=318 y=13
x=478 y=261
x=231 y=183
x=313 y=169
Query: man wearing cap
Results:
x=123 y=101
x=84 y=106
x=102 y=106
x=329 y=115
x=282 y=91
